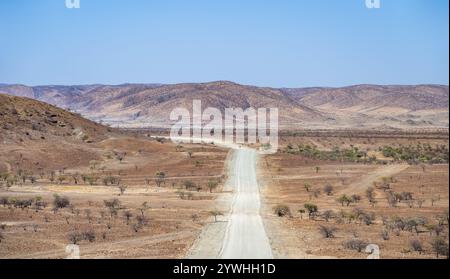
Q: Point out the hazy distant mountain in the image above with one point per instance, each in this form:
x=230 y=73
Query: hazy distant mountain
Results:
x=149 y=105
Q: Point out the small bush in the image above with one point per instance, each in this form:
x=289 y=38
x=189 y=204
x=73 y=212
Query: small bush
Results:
x=312 y=209
x=328 y=189
x=282 y=211
x=89 y=236
x=60 y=202
x=327 y=232
x=76 y=237
x=385 y=235
x=440 y=247
x=416 y=245
x=356 y=245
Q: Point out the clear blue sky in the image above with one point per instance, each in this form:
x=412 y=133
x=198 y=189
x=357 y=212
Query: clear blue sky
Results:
x=280 y=43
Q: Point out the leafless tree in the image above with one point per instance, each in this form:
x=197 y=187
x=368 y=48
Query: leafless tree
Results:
x=113 y=206
x=356 y=244
x=328 y=189
x=215 y=214
x=327 y=232
x=128 y=215
x=416 y=245
x=88 y=213
x=440 y=247
x=144 y=207
x=385 y=235
x=312 y=210
x=344 y=200
x=122 y=189
x=212 y=185
x=60 y=202
x=370 y=194
x=327 y=215
x=307 y=187
x=160 y=178
x=282 y=210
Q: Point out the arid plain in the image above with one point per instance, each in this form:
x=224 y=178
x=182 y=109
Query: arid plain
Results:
x=131 y=193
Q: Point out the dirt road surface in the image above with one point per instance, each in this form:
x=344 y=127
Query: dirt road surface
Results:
x=242 y=235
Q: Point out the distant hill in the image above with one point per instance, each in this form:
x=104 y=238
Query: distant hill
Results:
x=149 y=105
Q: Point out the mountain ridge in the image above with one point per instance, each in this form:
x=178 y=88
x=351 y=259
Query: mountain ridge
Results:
x=149 y=105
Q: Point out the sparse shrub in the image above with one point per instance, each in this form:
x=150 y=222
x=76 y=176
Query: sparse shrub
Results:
x=327 y=232
x=61 y=179
x=4 y=201
x=122 y=189
x=282 y=211
x=355 y=198
x=39 y=204
x=144 y=207
x=181 y=194
x=368 y=218
x=345 y=200
x=189 y=185
x=420 y=203
x=391 y=199
x=307 y=187
x=120 y=156
x=136 y=227
x=406 y=196
x=370 y=194
x=113 y=206
x=301 y=211
x=328 y=189
x=90 y=179
x=414 y=224
x=74 y=237
x=215 y=214
x=212 y=185
x=60 y=203
x=437 y=229
x=160 y=177
x=128 y=215
x=416 y=245
x=440 y=247
x=356 y=244
x=327 y=215
x=195 y=218
x=316 y=193
x=443 y=218
x=399 y=223
x=312 y=210
x=385 y=235
x=89 y=235
x=88 y=213
x=142 y=221
x=1 y=237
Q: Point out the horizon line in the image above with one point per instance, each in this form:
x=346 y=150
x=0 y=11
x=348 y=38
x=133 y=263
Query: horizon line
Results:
x=217 y=81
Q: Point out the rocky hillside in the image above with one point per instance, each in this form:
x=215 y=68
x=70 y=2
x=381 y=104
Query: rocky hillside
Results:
x=23 y=120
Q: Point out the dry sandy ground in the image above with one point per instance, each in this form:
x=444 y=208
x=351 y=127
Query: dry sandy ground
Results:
x=283 y=176
x=173 y=223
